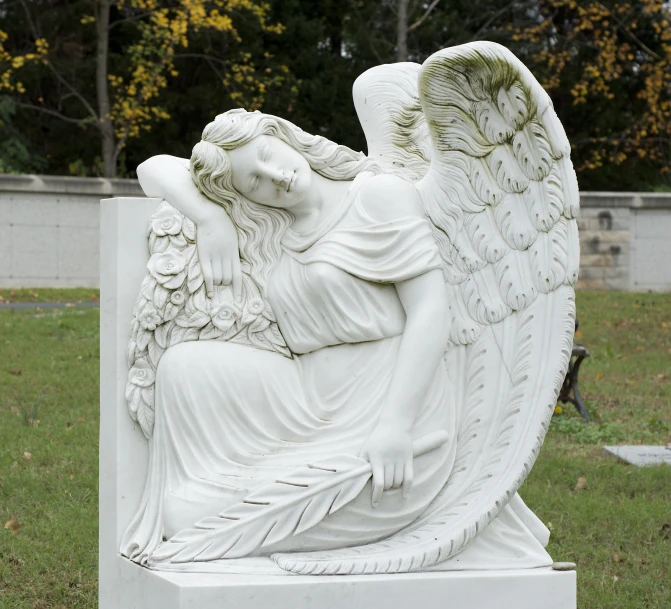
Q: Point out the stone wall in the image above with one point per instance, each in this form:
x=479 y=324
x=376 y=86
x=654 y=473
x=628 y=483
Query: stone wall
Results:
x=624 y=241
x=49 y=234
x=50 y=229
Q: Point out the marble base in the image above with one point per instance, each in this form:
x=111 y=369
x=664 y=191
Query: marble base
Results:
x=139 y=588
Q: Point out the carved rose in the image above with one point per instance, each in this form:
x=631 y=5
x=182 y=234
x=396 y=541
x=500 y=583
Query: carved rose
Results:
x=141 y=374
x=166 y=222
x=255 y=306
x=177 y=298
x=168 y=268
x=149 y=318
x=224 y=316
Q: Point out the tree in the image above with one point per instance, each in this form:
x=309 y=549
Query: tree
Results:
x=607 y=65
x=102 y=65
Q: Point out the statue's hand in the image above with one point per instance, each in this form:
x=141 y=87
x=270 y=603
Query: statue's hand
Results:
x=217 y=242
x=389 y=451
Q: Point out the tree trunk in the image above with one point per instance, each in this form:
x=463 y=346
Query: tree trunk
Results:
x=402 y=31
x=105 y=125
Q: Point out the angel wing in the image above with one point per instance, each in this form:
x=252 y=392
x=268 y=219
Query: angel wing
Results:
x=502 y=198
x=172 y=308
x=390 y=112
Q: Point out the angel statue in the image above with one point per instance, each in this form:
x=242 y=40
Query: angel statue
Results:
x=347 y=363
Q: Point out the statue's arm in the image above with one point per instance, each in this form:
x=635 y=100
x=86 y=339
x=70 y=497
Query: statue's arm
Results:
x=423 y=344
x=168 y=177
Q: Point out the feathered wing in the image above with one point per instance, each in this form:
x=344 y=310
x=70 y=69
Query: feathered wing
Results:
x=172 y=307
x=390 y=112
x=502 y=198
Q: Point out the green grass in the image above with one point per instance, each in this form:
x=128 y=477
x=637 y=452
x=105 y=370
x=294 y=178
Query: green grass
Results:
x=617 y=528
x=9 y=295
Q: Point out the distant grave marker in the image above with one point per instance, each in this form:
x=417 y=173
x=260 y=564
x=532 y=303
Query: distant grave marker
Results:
x=641 y=455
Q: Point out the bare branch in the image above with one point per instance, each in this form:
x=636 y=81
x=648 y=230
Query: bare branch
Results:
x=200 y=56
x=631 y=34
x=63 y=117
x=130 y=19
x=427 y=12
x=491 y=20
x=54 y=71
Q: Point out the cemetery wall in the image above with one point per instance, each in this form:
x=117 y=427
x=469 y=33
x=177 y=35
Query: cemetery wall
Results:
x=49 y=234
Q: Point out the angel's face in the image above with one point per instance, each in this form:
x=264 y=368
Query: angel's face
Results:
x=268 y=171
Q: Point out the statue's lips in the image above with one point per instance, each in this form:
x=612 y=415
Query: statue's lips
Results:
x=291 y=181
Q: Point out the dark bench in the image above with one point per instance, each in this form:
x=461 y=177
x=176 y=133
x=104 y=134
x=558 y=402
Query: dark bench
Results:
x=570 y=393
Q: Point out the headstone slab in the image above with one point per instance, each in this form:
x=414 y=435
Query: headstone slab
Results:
x=641 y=455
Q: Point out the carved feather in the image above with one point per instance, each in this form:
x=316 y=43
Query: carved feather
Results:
x=544 y=200
x=505 y=168
x=532 y=151
x=289 y=506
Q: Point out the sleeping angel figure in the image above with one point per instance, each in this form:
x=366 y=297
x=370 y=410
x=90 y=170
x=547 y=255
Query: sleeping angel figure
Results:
x=347 y=363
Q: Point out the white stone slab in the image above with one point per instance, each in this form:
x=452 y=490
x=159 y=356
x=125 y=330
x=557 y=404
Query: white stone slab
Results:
x=641 y=455
x=141 y=588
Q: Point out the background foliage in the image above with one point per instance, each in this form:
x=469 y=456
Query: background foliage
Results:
x=172 y=65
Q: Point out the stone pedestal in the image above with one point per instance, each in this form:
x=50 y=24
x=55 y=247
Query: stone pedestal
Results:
x=123 y=464
x=139 y=588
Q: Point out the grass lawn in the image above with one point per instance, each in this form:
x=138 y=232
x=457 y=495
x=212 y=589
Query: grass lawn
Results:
x=617 y=527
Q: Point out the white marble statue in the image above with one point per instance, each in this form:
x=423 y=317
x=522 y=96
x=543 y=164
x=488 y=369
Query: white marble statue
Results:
x=347 y=363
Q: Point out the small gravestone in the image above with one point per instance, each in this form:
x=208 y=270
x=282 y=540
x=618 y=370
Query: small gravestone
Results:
x=641 y=455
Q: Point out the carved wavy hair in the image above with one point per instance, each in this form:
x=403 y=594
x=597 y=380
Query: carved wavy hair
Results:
x=260 y=228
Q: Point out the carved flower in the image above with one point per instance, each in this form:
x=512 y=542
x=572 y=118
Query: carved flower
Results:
x=141 y=374
x=255 y=306
x=224 y=316
x=149 y=318
x=177 y=298
x=168 y=268
x=166 y=222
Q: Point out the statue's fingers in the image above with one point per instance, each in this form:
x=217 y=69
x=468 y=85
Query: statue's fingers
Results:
x=236 y=278
x=226 y=272
x=388 y=476
x=408 y=475
x=216 y=271
x=378 y=484
x=398 y=475
x=206 y=265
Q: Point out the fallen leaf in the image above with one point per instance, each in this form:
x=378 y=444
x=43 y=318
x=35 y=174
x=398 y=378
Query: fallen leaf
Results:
x=16 y=372
x=661 y=376
x=598 y=377
x=661 y=574
x=615 y=578
x=582 y=481
x=640 y=348
x=27 y=456
x=13 y=526
x=80 y=419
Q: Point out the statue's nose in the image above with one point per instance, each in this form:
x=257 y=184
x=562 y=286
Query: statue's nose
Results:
x=280 y=178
